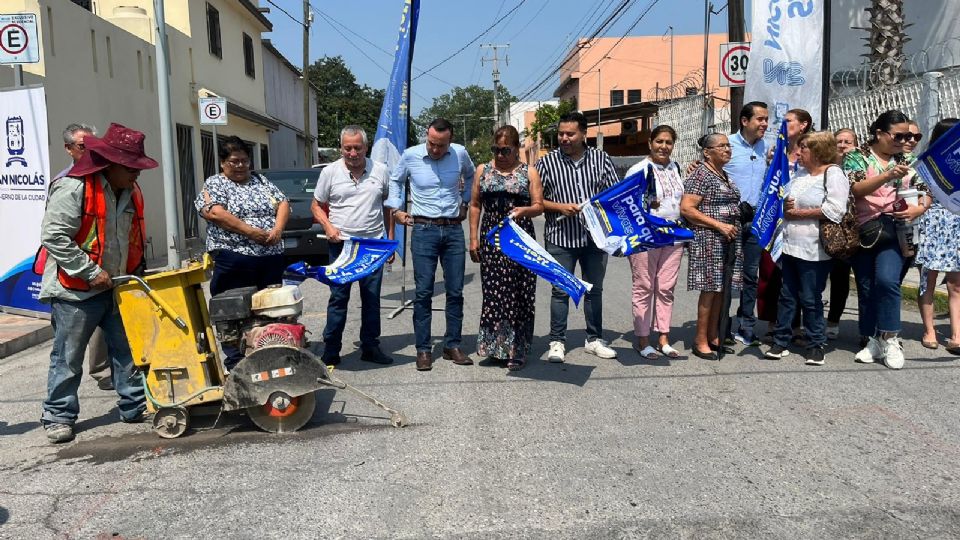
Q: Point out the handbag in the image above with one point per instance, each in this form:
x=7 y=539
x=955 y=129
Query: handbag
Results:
x=878 y=231
x=840 y=240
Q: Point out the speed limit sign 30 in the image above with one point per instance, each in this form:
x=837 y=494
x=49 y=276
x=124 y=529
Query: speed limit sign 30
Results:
x=734 y=59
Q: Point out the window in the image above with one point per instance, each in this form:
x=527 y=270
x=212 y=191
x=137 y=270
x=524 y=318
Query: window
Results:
x=248 y=61
x=93 y=48
x=84 y=4
x=188 y=184
x=616 y=98
x=213 y=31
x=264 y=156
x=633 y=96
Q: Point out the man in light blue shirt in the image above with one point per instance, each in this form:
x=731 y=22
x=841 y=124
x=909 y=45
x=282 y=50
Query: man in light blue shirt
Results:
x=747 y=167
x=441 y=177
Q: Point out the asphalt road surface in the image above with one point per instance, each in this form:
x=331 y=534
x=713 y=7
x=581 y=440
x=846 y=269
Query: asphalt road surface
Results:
x=624 y=448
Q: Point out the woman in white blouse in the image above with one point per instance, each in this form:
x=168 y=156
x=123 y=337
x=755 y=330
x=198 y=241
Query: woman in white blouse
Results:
x=655 y=271
x=818 y=193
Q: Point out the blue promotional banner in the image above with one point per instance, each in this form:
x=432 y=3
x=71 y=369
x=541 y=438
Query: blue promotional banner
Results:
x=24 y=177
x=391 y=138
x=768 y=219
x=620 y=223
x=523 y=249
x=939 y=167
x=360 y=258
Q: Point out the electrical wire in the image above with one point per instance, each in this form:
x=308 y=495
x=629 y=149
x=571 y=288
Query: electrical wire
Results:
x=287 y=13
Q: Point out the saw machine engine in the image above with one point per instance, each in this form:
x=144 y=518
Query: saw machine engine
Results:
x=250 y=319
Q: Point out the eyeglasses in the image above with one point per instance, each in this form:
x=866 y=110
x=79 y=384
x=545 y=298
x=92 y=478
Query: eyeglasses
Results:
x=501 y=150
x=130 y=170
x=725 y=146
x=905 y=137
x=78 y=145
x=238 y=162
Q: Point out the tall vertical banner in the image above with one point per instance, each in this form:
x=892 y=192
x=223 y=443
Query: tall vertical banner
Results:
x=24 y=170
x=391 y=138
x=786 y=58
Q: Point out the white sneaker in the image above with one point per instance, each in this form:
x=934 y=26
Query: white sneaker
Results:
x=893 y=358
x=599 y=348
x=557 y=351
x=872 y=352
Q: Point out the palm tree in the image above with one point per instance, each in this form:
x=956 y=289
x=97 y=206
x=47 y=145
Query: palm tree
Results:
x=886 y=41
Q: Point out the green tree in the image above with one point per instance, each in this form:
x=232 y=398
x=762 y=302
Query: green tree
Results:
x=468 y=107
x=341 y=100
x=544 y=125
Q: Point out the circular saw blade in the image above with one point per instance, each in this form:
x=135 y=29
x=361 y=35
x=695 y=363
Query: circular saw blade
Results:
x=272 y=420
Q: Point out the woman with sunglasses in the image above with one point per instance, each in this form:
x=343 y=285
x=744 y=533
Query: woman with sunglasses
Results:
x=655 y=271
x=503 y=188
x=711 y=205
x=910 y=145
x=939 y=251
x=246 y=215
x=878 y=172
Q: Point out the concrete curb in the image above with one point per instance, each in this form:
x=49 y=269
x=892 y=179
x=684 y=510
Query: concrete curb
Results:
x=19 y=333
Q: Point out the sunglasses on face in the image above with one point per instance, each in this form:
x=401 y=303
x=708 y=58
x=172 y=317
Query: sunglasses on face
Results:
x=78 y=145
x=905 y=137
x=501 y=150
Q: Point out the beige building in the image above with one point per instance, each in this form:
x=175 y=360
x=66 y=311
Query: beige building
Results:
x=98 y=66
x=638 y=69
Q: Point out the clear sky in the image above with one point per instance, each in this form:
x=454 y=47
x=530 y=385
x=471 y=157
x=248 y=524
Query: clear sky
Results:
x=538 y=32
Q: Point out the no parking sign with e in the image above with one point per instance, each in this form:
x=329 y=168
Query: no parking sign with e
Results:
x=19 y=40
x=213 y=110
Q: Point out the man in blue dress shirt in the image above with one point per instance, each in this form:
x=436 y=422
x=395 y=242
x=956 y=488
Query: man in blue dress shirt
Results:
x=747 y=167
x=441 y=177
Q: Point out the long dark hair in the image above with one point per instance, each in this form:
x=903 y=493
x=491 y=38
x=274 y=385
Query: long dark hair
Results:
x=942 y=127
x=884 y=122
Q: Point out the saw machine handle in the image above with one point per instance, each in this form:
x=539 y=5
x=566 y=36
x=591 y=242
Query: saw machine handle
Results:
x=160 y=302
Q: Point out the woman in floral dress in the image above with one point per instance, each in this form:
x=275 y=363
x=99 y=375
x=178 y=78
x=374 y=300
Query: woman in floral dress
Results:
x=505 y=187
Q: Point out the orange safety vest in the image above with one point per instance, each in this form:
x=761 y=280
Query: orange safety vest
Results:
x=91 y=236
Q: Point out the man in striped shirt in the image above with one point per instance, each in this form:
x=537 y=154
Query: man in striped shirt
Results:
x=571 y=175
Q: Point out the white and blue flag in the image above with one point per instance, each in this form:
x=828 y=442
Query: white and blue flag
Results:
x=620 y=223
x=768 y=219
x=523 y=249
x=391 y=138
x=360 y=258
x=939 y=167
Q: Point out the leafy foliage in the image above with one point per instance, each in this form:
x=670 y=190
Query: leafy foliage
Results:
x=470 y=110
x=545 y=121
x=341 y=100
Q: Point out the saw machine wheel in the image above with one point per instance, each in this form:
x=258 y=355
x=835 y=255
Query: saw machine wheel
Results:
x=283 y=413
x=171 y=422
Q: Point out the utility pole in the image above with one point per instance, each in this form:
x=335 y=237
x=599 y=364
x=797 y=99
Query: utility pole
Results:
x=496 y=78
x=307 y=20
x=171 y=217
x=708 y=8
x=670 y=30
x=735 y=33
x=464 y=117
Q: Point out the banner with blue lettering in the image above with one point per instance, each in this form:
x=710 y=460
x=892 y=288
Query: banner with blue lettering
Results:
x=786 y=58
x=24 y=174
x=520 y=247
x=391 y=138
x=939 y=166
x=768 y=219
x=620 y=223
x=360 y=258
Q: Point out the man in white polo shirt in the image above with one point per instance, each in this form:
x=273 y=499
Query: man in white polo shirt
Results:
x=353 y=189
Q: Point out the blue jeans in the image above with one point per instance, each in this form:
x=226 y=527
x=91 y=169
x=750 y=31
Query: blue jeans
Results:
x=73 y=324
x=233 y=270
x=802 y=289
x=877 y=273
x=429 y=244
x=337 y=309
x=593 y=266
x=746 y=313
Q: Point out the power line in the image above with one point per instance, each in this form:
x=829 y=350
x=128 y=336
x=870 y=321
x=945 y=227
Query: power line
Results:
x=285 y=12
x=471 y=42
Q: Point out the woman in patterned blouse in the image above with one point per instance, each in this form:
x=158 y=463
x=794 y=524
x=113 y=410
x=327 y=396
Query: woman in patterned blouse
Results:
x=245 y=214
x=878 y=172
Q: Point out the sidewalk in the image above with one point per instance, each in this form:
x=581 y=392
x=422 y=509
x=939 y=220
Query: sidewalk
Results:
x=18 y=333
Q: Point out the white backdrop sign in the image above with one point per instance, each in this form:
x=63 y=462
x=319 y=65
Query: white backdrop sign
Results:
x=24 y=174
x=786 y=58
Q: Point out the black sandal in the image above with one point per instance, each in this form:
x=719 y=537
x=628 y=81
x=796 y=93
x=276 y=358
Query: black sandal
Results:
x=515 y=364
